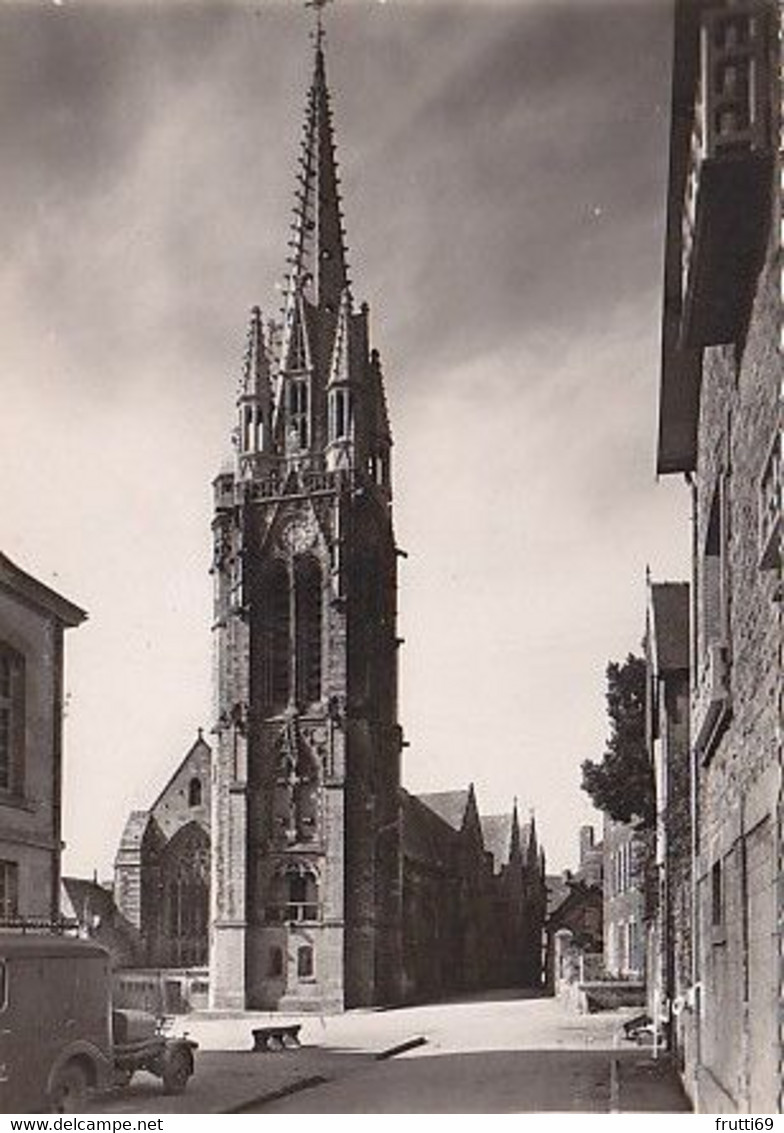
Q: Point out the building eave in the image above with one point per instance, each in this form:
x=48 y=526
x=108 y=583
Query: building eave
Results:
x=681 y=369
x=38 y=595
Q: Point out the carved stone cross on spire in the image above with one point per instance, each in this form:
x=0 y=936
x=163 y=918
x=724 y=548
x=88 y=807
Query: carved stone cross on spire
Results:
x=318 y=5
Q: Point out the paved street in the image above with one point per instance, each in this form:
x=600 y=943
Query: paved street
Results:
x=498 y=1054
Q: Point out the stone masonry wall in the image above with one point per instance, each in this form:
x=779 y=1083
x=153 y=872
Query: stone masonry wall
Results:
x=739 y=781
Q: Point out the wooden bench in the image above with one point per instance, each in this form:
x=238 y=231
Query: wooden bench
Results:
x=276 y=1037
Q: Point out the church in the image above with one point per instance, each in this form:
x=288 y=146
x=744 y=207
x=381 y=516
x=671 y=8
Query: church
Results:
x=330 y=886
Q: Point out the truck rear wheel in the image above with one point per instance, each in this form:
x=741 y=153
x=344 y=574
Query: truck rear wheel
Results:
x=68 y=1093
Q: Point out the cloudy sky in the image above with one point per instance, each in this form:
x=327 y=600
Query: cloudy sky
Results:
x=503 y=168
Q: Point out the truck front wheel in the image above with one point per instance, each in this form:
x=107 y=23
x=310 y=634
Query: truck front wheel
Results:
x=177 y=1069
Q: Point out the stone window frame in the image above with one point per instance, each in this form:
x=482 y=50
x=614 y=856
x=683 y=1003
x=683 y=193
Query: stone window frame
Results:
x=718 y=902
x=714 y=609
x=275 y=965
x=12 y=721
x=9 y=890
x=306 y=963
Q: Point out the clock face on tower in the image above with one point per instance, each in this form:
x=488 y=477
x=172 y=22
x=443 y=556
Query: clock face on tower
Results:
x=298 y=536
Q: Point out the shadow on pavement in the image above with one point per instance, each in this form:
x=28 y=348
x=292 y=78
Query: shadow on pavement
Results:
x=495 y=1082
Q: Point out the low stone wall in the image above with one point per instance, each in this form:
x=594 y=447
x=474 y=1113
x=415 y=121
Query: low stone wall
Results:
x=162 y=991
x=605 y=995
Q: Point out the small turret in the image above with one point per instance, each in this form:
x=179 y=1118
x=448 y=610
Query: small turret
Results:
x=254 y=403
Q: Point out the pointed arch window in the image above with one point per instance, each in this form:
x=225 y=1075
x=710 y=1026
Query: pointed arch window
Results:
x=308 y=603
x=194 y=792
x=299 y=416
x=275 y=635
x=185 y=892
x=340 y=414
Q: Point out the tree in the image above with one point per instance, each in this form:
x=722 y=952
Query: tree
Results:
x=622 y=784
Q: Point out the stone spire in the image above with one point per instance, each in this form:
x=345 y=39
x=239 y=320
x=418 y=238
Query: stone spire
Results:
x=515 y=850
x=533 y=846
x=318 y=268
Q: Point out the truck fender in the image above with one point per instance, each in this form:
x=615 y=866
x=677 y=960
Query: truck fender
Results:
x=95 y=1061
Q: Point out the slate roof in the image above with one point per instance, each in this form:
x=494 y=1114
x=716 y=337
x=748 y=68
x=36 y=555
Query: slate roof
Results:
x=497 y=837
x=426 y=836
x=448 y=805
x=670 y=625
x=88 y=898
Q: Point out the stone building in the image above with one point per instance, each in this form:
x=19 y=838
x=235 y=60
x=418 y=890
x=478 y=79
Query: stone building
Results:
x=720 y=421
x=575 y=910
x=330 y=887
x=33 y=619
x=669 y=961
x=161 y=871
x=624 y=852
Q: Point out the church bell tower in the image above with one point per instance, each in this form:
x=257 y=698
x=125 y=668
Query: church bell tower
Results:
x=306 y=866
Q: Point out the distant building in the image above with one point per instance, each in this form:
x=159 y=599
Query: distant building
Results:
x=591 y=865
x=720 y=425
x=624 y=900
x=669 y=952
x=32 y=622
x=575 y=907
x=162 y=868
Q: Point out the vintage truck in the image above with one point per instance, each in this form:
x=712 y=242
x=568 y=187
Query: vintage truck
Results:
x=60 y=1037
